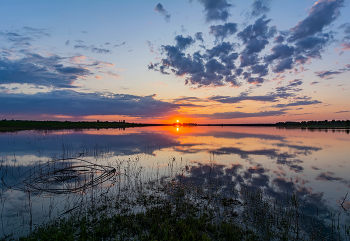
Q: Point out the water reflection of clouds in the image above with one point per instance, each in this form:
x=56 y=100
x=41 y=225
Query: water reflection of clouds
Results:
x=229 y=176
x=241 y=135
x=330 y=177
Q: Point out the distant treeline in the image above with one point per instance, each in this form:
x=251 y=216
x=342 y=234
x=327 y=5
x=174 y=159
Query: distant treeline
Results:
x=16 y=125
x=325 y=123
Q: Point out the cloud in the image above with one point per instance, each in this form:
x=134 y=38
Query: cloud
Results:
x=279 y=39
x=67 y=42
x=327 y=74
x=299 y=103
x=255 y=38
x=118 y=45
x=221 y=32
x=346 y=27
x=72 y=103
x=226 y=64
x=257 y=30
x=160 y=9
x=190 y=99
x=280 y=51
x=343 y=111
x=272 y=97
x=200 y=70
x=216 y=10
x=256 y=80
x=24 y=36
x=238 y=114
x=199 y=36
x=283 y=65
x=321 y=14
x=183 y=42
x=260 y=7
x=93 y=49
x=38 y=70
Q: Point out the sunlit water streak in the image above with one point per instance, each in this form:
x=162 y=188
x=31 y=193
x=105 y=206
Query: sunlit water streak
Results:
x=280 y=161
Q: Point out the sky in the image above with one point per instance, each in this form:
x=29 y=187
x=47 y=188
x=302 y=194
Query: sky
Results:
x=202 y=61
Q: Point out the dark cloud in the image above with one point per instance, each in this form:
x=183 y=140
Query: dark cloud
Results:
x=294 y=83
x=160 y=9
x=260 y=7
x=279 y=39
x=72 y=103
x=223 y=31
x=118 y=45
x=222 y=49
x=255 y=46
x=312 y=46
x=299 y=103
x=272 y=97
x=255 y=80
x=199 y=36
x=191 y=99
x=327 y=74
x=38 y=70
x=67 y=42
x=260 y=70
x=280 y=51
x=255 y=38
x=258 y=30
x=248 y=60
x=24 y=36
x=321 y=14
x=216 y=10
x=212 y=68
x=283 y=65
x=93 y=49
x=237 y=114
x=343 y=111
x=218 y=66
x=183 y=42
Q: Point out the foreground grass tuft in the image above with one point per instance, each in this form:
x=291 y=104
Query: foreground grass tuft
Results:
x=181 y=221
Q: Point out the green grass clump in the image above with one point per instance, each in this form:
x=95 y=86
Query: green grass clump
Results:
x=181 y=221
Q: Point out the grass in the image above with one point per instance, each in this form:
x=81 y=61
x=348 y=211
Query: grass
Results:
x=173 y=211
x=181 y=221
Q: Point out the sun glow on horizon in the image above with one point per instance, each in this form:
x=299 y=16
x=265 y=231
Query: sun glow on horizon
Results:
x=177 y=121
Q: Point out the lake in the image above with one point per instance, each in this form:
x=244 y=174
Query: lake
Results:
x=46 y=174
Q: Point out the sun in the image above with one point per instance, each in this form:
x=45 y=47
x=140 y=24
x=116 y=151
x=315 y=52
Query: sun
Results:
x=177 y=121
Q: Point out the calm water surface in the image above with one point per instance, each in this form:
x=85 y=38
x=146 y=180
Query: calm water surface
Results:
x=313 y=164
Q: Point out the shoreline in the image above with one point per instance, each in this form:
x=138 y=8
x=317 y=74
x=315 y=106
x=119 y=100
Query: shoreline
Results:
x=18 y=125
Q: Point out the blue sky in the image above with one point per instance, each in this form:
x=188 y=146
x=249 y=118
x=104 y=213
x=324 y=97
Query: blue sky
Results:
x=206 y=61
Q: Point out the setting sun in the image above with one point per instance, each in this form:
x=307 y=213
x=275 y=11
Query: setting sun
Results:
x=177 y=120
